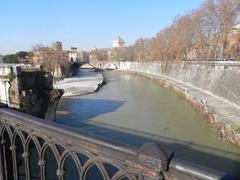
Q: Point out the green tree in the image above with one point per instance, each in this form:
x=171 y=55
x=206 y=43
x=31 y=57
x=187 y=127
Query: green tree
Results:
x=22 y=54
x=10 y=58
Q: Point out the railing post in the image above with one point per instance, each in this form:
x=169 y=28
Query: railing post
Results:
x=41 y=164
x=155 y=156
x=60 y=173
x=1 y=163
x=14 y=161
x=25 y=156
x=1 y=148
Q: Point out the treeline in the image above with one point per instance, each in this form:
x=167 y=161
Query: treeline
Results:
x=19 y=57
x=206 y=33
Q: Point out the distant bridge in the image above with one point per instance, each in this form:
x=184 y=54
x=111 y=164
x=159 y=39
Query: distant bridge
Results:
x=33 y=148
x=100 y=65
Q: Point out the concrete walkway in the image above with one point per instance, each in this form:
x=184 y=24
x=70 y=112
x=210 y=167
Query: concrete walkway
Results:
x=222 y=113
x=86 y=82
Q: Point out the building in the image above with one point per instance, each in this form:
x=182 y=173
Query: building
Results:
x=118 y=50
x=227 y=44
x=234 y=39
x=73 y=54
x=118 y=43
x=58 y=46
x=56 y=53
x=231 y=50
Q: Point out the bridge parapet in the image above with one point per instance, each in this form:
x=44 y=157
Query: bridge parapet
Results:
x=20 y=132
x=55 y=151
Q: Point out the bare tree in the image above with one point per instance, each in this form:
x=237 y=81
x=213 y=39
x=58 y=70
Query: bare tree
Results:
x=51 y=59
x=207 y=31
x=100 y=54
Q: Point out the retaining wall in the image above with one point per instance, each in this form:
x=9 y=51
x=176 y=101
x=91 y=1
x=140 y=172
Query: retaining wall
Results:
x=220 y=78
x=213 y=88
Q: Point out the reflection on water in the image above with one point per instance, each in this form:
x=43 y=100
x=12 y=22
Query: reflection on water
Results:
x=134 y=110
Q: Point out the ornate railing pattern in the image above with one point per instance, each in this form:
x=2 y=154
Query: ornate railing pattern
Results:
x=32 y=148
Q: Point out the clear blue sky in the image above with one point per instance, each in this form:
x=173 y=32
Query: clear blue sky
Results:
x=84 y=23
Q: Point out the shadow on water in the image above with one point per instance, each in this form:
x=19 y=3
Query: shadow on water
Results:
x=100 y=106
x=210 y=157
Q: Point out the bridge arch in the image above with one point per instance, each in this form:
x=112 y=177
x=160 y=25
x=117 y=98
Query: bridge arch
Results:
x=88 y=66
x=111 y=65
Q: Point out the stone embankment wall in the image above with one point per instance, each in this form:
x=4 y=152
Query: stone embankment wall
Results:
x=220 y=78
x=211 y=87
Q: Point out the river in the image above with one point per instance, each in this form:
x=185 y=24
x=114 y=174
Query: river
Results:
x=133 y=110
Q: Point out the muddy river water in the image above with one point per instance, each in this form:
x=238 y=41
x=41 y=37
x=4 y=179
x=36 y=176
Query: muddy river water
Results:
x=134 y=110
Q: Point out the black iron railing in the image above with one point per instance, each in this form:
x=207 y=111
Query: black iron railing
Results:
x=33 y=148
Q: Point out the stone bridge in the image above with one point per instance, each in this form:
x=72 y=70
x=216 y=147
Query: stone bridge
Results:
x=101 y=65
x=32 y=148
x=29 y=90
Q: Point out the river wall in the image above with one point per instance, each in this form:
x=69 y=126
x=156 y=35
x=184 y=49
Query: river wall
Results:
x=211 y=87
x=220 y=78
